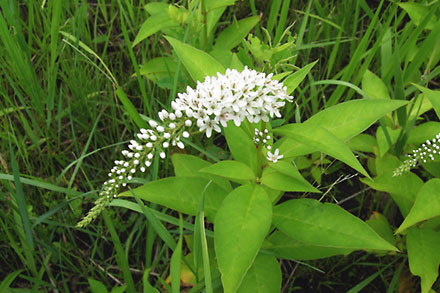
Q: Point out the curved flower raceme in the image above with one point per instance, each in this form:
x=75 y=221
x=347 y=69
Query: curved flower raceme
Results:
x=233 y=96
x=426 y=152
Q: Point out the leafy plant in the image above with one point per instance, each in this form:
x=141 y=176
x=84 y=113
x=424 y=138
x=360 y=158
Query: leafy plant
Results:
x=241 y=197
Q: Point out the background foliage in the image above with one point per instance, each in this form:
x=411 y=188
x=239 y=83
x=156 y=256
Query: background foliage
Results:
x=62 y=124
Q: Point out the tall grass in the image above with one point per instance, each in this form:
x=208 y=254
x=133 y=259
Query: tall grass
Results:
x=62 y=122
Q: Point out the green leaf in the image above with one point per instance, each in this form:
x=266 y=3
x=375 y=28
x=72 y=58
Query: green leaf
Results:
x=131 y=110
x=379 y=223
x=241 y=224
x=96 y=286
x=362 y=143
x=374 y=87
x=263 y=276
x=293 y=80
x=426 y=205
x=159 y=70
x=382 y=142
x=233 y=170
x=322 y=140
x=235 y=33
x=326 y=224
x=403 y=189
x=423 y=132
x=344 y=120
x=417 y=12
x=152 y=25
x=198 y=63
x=189 y=166
x=287 y=247
x=182 y=194
x=118 y=289
x=423 y=255
x=241 y=146
x=7 y=281
x=278 y=180
x=433 y=97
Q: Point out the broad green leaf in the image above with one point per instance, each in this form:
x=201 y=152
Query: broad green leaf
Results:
x=344 y=120
x=215 y=4
x=293 y=81
x=152 y=25
x=263 y=276
x=321 y=139
x=156 y=7
x=96 y=286
x=403 y=189
x=326 y=224
x=241 y=146
x=423 y=132
x=198 y=63
x=119 y=289
x=159 y=70
x=433 y=97
x=380 y=224
x=182 y=194
x=287 y=247
x=373 y=86
x=233 y=170
x=189 y=166
x=281 y=181
x=362 y=142
x=235 y=33
x=241 y=224
x=417 y=12
x=424 y=255
x=426 y=205
x=382 y=142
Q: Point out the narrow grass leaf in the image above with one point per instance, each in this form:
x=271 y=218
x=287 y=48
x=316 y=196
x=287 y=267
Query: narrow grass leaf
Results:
x=176 y=259
x=120 y=255
x=433 y=97
x=41 y=184
x=20 y=200
x=7 y=281
x=131 y=110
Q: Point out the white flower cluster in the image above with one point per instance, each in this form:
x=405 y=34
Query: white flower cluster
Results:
x=233 y=96
x=263 y=138
x=424 y=153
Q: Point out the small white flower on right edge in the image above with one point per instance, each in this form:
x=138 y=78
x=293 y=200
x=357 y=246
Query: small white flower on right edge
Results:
x=275 y=156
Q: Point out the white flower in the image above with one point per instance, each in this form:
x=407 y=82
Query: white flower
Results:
x=275 y=156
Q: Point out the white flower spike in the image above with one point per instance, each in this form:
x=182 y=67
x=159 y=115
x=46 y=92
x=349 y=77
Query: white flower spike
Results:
x=233 y=96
